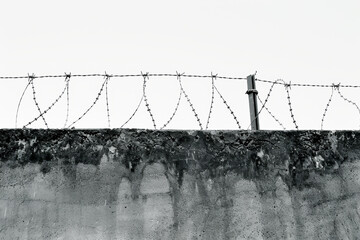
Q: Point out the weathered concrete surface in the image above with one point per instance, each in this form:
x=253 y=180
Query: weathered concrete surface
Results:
x=138 y=184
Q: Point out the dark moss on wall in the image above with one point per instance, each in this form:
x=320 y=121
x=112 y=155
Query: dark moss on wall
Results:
x=292 y=154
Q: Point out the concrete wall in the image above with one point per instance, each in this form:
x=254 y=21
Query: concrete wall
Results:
x=139 y=184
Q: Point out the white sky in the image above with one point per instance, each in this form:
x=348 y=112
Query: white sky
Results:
x=298 y=41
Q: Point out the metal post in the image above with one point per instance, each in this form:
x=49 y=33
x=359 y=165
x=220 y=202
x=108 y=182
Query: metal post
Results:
x=252 y=92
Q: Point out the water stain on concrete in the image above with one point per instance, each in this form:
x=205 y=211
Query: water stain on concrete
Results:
x=142 y=184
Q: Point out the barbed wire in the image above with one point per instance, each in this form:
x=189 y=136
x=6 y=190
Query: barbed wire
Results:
x=50 y=107
x=125 y=75
x=175 y=111
x=347 y=100
x=227 y=105
x=107 y=78
x=271 y=113
x=212 y=101
x=263 y=104
x=31 y=80
x=144 y=97
x=327 y=106
x=67 y=79
x=188 y=99
x=287 y=87
x=133 y=114
x=146 y=76
x=91 y=106
x=20 y=100
x=306 y=84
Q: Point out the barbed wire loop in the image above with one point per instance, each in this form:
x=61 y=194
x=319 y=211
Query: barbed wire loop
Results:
x=146 y=77
x=91 y=106
x=213 y=77
x=347 y=100
x=176 y=108
x=271 y=114
x=31 y=80
x=287 y=87
x=188 y=99
x=227 y=106
x=67 y=80
x=327 y=106
x=107 y=79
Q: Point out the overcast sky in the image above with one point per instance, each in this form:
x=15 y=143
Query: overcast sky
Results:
x=298 y=41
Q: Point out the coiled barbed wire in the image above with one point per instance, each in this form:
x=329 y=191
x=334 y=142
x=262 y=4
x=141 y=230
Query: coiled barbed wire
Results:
x=271 y=114
x=327 y=106
x=146 y=76
x=50 y=107
x=212 y=100
x=133 y=114
x=347 y=100
x=227 y=106
x=91 y=106
x=188 y=99
x=175 y=111
x=67 y=79
x=107 y=78
x=20 y=100
x=31 y=79
x=263 y=104
x=287 y=87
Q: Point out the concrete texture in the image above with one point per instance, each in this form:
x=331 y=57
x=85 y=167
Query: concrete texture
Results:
x=142 y=184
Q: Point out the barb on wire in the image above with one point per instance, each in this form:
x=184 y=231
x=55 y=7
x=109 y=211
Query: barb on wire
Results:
x=188 y=99
x=50 y=107
x=31 y=80
x=67 y=80
x=287 y=87
x=176 y=108
x=271 y=114
x=228 y=106
x=146 y=76
x=212 y=99
x=107 y=78
x=347 y=100
x=91 y=106
x=327 y=106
